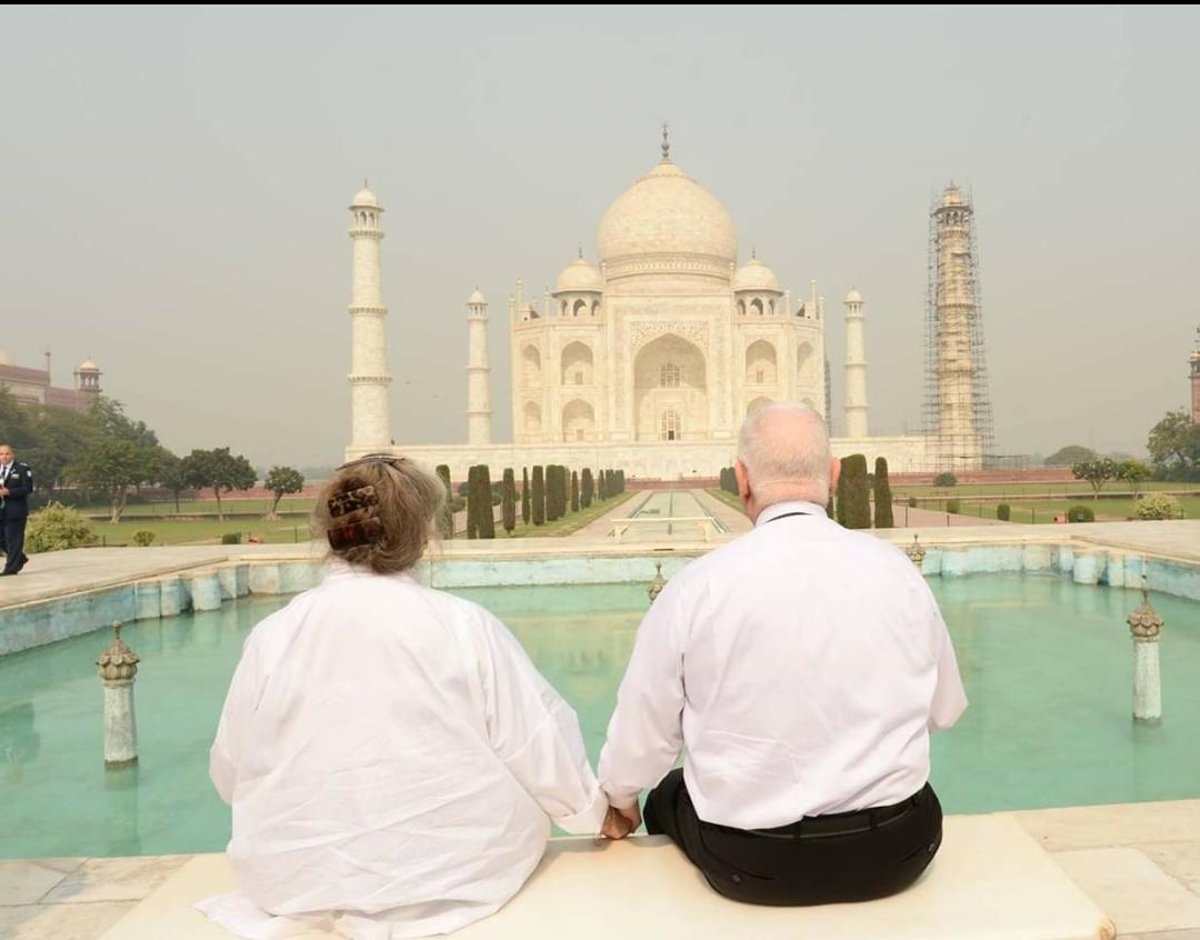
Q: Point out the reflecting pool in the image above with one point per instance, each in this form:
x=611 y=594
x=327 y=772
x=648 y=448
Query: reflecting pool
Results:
x=1047 y=665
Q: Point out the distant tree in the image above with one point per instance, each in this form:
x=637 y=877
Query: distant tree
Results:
x=472 y=502
x=281 y=481
x=508 y=501
x=526 y=499
x=619 y=476
x=1097 y=472
x=574 y=491
x=883 y=496
x=170 y=474
x=1157 y=506
x=445 y=521
x=1135 y=473
x=585 y=488
x=1070 y=455
x=487 y=515
x=945 y=479
x=16 y=426
x=539 y=496
x=1003 y=512
x=220 y=470
x=853 y=499
x=1174 y=447
x=119 y=453
x=61 y=435
x=601 y=484
x=553 y=495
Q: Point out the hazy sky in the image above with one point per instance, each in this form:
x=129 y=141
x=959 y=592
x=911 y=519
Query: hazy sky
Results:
x=175 y=184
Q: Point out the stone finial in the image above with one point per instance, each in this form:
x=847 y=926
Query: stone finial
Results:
x=915 y=552
x=118 y=662
x=666 y=143
x=1145 y=623
x=659 y=582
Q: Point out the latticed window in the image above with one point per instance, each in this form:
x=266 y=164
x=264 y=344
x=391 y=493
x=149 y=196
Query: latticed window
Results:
x=669 y=426
x=668 y=376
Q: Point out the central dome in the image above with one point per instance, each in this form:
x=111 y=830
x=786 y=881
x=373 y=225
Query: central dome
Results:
x=666 y=212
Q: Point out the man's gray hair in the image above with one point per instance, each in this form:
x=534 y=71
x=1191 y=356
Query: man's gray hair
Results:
x=786 y=445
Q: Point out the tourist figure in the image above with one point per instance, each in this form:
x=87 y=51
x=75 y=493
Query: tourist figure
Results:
x=801 y=669
x=392 y=757
x=16 y=483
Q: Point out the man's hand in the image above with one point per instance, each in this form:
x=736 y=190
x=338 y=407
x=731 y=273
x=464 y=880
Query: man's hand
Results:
x=618 y=823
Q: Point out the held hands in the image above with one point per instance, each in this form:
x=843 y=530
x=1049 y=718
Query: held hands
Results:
x=618 y=823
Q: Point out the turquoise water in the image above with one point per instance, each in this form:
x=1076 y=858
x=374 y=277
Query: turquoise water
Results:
x=1047 y=665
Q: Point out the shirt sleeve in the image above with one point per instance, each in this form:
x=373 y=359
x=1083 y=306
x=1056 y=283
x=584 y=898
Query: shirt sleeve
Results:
x=536 y=734
x=645 y=734
x=949 y=697
x=245 y=689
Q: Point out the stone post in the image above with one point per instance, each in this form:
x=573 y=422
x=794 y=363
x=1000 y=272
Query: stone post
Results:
x=1145 y=623
x=117 y=666
x=658 y=583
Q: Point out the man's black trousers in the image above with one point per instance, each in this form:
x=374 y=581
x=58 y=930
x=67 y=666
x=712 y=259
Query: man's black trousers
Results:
x=852 y=856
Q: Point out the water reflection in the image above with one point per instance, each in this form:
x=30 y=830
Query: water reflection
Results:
x=20 y=742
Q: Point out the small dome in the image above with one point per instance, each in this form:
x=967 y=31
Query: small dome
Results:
x=6 y=359
x=580 y=276
x=952 y=196
x=365 y=199
x=754 y=275
x=88 y=366
x=476 y=297
x=854 y=297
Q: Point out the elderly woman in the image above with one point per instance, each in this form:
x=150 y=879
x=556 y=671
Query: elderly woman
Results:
x=392 y=757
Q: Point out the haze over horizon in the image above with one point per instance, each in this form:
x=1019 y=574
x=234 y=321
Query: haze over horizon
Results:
x=177 y=182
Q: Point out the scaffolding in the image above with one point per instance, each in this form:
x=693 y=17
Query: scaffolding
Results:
x=957 y=412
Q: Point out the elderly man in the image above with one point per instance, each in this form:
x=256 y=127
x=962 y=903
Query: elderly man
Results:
x=801 y=668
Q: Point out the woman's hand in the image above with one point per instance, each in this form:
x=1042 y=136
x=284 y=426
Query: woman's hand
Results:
x=618 y=823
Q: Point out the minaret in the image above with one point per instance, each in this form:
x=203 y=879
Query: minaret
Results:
x=958 y=407
x=856 y=367
x=369 y=379
x=1194 y=362
x=479 y=408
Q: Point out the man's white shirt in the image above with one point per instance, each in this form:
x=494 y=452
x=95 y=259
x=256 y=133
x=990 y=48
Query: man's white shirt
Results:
x=803 y=664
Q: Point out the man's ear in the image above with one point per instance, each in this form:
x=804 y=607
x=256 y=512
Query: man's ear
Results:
x=743 y=480
x=835 y=471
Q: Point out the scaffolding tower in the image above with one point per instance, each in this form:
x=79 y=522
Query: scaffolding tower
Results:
x=957 y=413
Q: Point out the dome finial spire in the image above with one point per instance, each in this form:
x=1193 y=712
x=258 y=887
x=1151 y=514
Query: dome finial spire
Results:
x=754 y=253
x=581 y=251
x=666 y=143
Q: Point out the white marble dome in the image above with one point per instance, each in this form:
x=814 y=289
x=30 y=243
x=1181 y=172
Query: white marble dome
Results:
x=754 y=275
x=580 y=276
x=365 y=199
x=667 y=212
x=476 y=297
x=854 y=297
x=87 y=366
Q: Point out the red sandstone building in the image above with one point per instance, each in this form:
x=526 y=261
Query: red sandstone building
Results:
x=33 y=386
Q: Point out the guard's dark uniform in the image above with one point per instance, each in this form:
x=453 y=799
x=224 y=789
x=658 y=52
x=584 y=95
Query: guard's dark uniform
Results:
x=14 y=508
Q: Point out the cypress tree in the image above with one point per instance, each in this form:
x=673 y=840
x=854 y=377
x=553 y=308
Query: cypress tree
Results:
x=551 y=492
x=508 y=501
x=487 y=515
x=472 y=503
x=854 y=502
x=883 y=495
x=574 y=491
x=620 y=475
x=446 y=519
x=539 y=496
x=601 y=489
x=585 y=488
x=560 y=491
x=526 y=502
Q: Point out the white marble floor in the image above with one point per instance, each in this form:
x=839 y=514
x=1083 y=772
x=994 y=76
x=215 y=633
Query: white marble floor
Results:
x=1139 y=862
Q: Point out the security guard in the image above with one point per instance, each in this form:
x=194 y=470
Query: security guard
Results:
x=16 y=483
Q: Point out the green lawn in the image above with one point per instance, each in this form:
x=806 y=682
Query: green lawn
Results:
x=204 y=507
x=1032 y=490
x=726 y=497
x=185 y=531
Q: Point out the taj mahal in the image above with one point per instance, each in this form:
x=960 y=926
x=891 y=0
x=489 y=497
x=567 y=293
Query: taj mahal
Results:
x=647 y=361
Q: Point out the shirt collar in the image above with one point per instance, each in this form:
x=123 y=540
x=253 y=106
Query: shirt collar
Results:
x=339 y=567
x=775 y=510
